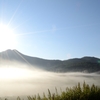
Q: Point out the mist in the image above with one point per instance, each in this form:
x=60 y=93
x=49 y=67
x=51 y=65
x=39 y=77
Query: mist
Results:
x=17 y=79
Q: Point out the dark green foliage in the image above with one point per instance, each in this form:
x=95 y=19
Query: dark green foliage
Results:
x=84 y=92
x=18 y=98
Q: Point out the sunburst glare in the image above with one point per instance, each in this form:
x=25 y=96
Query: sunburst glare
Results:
x=7 y=38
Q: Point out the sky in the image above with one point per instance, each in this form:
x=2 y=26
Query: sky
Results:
x=51 y=29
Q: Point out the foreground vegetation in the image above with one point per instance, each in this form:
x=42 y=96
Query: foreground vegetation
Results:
x=84 y=92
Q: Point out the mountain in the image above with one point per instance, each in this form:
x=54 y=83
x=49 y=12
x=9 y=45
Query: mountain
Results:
x=85 y=64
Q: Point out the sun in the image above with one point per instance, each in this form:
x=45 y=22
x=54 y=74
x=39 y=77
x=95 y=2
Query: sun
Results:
x=7 y=38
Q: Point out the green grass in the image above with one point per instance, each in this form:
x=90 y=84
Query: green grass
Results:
x=84 y=92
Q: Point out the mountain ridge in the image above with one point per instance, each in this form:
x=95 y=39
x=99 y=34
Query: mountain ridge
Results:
x=84 y=64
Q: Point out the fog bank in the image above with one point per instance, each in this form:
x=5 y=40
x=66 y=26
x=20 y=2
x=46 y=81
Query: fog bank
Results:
x=21 y=80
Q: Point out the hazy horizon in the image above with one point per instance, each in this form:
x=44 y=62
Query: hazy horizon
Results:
x=48 y=58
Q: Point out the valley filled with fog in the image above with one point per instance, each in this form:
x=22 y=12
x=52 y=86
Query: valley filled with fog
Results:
x=48 y=47
x=22 y=80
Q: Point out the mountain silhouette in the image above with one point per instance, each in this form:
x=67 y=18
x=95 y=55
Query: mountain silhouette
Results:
x=85 y=64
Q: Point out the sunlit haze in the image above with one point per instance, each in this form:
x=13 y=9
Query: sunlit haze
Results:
x=24 y=81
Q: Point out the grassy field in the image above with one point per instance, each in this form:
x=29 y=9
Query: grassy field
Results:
x=79 y=92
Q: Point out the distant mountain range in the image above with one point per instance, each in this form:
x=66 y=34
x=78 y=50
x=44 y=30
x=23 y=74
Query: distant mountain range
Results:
x=85 y=64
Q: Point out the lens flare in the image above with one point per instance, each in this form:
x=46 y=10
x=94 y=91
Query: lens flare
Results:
x=7 y=38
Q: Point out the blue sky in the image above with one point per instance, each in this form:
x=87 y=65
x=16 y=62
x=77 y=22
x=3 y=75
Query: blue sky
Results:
x=54 y=29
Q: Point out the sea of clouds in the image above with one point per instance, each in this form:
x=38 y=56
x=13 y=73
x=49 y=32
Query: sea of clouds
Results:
x=22 y=80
